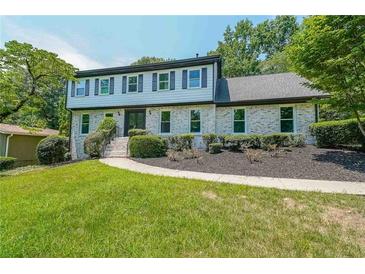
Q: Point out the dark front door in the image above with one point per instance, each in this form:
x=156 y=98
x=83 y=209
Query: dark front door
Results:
x=134 y=119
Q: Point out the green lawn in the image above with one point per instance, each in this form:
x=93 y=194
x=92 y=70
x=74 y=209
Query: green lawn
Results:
x=88 y=209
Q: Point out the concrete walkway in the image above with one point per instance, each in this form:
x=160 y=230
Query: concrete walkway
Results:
x=281 y=183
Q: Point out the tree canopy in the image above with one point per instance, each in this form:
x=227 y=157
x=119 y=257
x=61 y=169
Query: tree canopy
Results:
x=330 y=52
x=150 y=60
x=31 y=83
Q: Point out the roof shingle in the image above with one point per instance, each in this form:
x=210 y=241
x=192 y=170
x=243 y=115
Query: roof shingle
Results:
x=17 y=130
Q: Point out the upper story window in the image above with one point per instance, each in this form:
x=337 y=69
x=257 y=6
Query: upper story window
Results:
x=104 y=86
x=85 y=122
x=194 y=78
x=286 y=119
x=163 y=81
x=132 y=83
x=239 y=120
x=80 y=89
x=165 y=121
x=195 y=121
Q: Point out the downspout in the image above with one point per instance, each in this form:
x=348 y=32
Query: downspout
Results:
x=7 y=144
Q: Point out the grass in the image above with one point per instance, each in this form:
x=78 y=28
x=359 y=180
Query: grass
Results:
x=88 y=209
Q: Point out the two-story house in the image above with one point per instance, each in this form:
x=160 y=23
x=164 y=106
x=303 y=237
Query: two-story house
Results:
x=188 y=96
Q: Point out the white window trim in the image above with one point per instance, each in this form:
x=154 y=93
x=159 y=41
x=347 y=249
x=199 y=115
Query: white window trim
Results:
x=168 y=81
x=165 y=133
x=80 y=84
x=294 y=118
x=200 y=79
x=83 y=134
x=201 y=123
x=232 y=113
x=128 y=83
x=106 y=94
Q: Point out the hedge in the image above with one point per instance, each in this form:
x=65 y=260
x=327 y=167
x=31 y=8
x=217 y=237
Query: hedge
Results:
x=52 y=149
x=180 y=142
x=208 y=139
x=147 y=146
x=7 y=163
x=137 y=131
x=338 y=133
x=215 y=148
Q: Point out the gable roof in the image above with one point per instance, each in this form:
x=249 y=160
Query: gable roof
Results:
x=17 y=130
x=270 y=88
x=148 y=67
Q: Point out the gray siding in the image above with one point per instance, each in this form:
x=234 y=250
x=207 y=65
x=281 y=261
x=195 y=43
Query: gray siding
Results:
x=2 y=144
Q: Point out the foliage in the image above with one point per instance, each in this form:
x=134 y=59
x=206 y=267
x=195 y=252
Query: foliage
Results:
x=337 y=133
x=277 y=63
x=137 y=131
x=209 y=138
x=52 y=149
x=180 y=142
x=329 y=113
x=174 y=155
x=150 y=60
x=64 y=117
x=28 y=75
x=147 y=146
x=330 y=52
x=253 y=155
x=215 y=148
x=7 y=163
x=107 y=124
x=236 y=141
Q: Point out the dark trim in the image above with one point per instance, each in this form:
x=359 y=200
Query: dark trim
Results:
x=148 y=67
x=269 y=101
x=126 y=118
x=145 y=106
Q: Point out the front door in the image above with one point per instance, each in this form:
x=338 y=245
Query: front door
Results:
x=135 y=118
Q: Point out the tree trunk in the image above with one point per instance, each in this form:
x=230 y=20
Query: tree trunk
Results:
x=361 y=127
x=8 y=112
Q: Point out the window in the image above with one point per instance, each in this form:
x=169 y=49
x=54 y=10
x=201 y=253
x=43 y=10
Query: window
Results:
x=109 y=115
x=104 y=86
x=80 y=89
x=286 y=119
x=163 y=81
x=239 y=120
x=194 y=78
x=195 y=121
x=165 y=121
x=85 y=119
x=132 y=83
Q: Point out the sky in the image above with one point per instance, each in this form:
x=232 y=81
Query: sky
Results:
x=90 y=42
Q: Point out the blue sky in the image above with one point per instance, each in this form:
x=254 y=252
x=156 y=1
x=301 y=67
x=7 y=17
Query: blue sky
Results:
x=102 y=41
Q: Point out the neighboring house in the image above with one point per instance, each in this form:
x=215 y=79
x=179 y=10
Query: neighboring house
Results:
x=188 y=96
x=21 y=143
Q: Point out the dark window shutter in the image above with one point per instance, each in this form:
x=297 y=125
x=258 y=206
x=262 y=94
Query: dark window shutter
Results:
x=172 y=80
x=154 y=82
x=96 y=92
x=87 y=87
x=184 y=79
x=111 y=90
x=140 y=83
x=124 y=84
x=73 y=87
x=204 y=78
x=66 y=88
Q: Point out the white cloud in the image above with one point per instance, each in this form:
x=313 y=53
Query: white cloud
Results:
x=51 y=42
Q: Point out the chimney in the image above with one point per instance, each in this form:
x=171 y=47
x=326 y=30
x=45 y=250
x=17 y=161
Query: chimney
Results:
x=197 y=55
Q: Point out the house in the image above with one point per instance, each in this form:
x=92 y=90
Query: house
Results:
x=21 y=143
x=188 y=96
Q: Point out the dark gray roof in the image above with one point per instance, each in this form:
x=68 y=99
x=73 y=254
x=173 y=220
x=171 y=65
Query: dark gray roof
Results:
x=148 y=67
x=280 y=87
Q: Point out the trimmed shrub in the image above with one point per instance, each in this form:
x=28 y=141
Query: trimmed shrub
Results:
x=337 y=133
x=208 y=139
x=107 y=124
x=296 y=140
x=147 y=146
x=235 y=142
x=7 y=163
x=215 y=148
x=93 y=144
x=279 y=139
x=136 y=132
x=52 y=149
x=180 y=142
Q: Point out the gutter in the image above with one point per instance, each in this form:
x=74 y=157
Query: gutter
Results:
x=7 y=144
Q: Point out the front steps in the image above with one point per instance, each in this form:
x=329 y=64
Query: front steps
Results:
x=118 y=148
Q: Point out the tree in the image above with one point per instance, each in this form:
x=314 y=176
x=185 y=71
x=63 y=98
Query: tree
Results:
x=330 y=52
x=63 y=117
x=277 y=63
x=29 y=75
x=150 y=60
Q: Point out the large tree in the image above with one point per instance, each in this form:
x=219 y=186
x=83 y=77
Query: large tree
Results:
x=29 y=75
x=150 y=60
x=330 y=52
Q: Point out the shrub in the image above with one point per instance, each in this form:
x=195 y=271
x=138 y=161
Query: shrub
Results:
x=296 y=140
x=174 y=155
x=215 y=148
x=279 y=139
x=7 y=163
x=235 y=142
x=52 y=149
x=147 y=146
x=93 y=144
x=337 y=133
x=107 y=124
x=253 y=155
x=180 y=142
x=190 y=154
x=208 y=139
x=136 y=132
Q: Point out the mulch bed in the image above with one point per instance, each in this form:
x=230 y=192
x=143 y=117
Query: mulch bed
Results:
x=300 y=163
